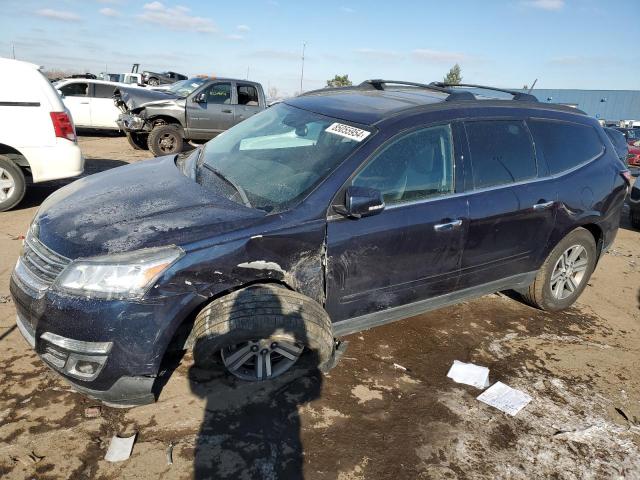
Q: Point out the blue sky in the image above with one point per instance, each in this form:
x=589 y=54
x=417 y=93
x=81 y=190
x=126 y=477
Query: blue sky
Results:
x=563 y=43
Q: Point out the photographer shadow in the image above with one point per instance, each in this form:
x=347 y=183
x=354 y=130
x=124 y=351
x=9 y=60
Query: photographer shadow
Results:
x=251 y=429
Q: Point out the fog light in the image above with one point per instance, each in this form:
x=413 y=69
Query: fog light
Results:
x=87 y=368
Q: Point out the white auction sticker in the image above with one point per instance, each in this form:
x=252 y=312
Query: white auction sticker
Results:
x=347 y=131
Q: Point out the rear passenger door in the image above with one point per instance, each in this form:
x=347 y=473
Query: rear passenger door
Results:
x=248 y=102
x=104 y=113
x=511 y=208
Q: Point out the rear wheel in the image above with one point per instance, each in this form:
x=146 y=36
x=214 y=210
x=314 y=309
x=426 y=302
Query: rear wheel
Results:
x=261 y=332
x=154 y=82
x=165 y=140
x=138 y=140
x=565 y=272
x=12 y=184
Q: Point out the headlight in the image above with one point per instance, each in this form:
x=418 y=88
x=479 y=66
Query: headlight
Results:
x=126 y=275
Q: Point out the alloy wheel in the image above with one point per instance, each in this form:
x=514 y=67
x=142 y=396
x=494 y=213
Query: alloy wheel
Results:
x=264 y=359
x=7 y=185
x=569 y=272
x=167 y=142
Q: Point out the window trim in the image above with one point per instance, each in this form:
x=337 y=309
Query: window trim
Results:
x=603 y=151
x=523 y=121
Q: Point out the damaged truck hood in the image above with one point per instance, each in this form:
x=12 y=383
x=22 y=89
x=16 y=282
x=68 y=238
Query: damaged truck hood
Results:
x=147 y=204
x=134 y=98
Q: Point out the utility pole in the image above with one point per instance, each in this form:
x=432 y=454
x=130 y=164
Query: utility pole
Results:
x=247 y=73
x=13 y=50
x=304 y=46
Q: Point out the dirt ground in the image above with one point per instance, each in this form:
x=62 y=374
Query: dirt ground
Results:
x=367 y=418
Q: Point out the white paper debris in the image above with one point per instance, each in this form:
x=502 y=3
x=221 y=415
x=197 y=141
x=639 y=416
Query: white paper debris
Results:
x=504 y=398
x=120 y=448
x=469 y=374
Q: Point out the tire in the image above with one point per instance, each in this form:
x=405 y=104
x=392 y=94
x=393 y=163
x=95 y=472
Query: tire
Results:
x=540 y=293
x=165 y=140
x=634 y=218
x=13 y=185
x=154 y=82
x=251 y=315
x=139 y=141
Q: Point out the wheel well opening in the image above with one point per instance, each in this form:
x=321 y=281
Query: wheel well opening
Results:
x=164 y=120
x=596 y=231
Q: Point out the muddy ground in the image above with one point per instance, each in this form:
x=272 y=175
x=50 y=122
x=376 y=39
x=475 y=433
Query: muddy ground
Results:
x=367 y=418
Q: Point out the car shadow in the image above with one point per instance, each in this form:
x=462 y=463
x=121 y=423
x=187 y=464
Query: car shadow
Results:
x=252 y=429
x=37 y=192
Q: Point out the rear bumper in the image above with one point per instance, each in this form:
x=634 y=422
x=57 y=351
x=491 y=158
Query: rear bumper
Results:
x=62 y=160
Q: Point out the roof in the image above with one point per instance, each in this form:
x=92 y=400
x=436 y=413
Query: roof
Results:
x=91 y=80
x=11 y=63
x=610 y=105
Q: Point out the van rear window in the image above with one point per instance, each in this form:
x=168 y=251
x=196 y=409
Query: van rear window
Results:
x=565 y=145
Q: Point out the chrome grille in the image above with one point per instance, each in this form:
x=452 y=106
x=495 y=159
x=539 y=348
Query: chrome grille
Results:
x=41 y=261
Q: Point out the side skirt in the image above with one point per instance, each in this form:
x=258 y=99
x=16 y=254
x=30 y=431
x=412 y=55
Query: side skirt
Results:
x=375 y=319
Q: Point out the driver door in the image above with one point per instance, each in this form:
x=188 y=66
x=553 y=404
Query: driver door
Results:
x=212 y=116
x=411 y=250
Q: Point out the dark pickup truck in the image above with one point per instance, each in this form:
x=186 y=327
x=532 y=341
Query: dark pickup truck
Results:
x=163 y=78
x=195 y=109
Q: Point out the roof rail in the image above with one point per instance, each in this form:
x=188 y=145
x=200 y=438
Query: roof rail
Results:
x=380 y=84
x=518 y=96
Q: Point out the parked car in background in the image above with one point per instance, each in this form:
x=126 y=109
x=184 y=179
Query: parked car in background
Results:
x=90 y=102
x=155 y=78
x=128 y=78
x=619 y=143
x=634 y=206
x=198 y=109
x=633 y=158
x=632 y=134
x=37 y=135
x=326 y=214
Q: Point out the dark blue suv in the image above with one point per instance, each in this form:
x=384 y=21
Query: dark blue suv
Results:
x=329 y=213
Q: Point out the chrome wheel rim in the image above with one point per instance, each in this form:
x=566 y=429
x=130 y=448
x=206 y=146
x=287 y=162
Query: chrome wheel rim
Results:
x=7 y=185
x=264 y=359
x=569 y=272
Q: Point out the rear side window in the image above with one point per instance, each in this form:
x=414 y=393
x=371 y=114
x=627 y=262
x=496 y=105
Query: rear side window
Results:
x=103 y=91
x=501 y=152
x=565 y=145
x=247 y=95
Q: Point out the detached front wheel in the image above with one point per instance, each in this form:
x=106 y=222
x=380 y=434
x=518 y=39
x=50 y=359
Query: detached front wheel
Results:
x=260 y=332
x=166 y=140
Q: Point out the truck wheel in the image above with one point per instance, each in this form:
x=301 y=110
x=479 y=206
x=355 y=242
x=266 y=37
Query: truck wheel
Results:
x=138 y=140
x=12 y=184
x=565 y=273
x=154 y=82
x=260 y=332
x=634 y=217
x=165 y=140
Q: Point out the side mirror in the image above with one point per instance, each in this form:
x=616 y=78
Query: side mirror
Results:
x=200 y=98
x=361 y=202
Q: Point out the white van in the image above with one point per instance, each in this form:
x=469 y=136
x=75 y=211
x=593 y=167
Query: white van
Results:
x=37 y=135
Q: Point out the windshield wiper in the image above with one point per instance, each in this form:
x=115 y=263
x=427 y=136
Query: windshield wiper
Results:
x=236 y=187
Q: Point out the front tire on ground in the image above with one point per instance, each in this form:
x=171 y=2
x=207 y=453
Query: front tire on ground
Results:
x=13 y=185
x=260 y=332
x=565 y=272
x=139 y=141
x=166 y=140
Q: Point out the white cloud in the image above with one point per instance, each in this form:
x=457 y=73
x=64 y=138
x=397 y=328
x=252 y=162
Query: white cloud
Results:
x=347 y=10
x=175 y=18
x=109 y=12
x=58 y=15
x=379 y=54
x=438 y=56
x=243 y=28
x=545 y=4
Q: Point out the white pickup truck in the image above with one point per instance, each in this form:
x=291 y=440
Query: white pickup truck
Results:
x=37 y=134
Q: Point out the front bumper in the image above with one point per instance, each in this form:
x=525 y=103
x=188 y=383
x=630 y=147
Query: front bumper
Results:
x=108 y=349
x=130 y=123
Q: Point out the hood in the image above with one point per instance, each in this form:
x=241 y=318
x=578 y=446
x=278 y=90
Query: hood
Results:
x=137 y=97
x=146 y=204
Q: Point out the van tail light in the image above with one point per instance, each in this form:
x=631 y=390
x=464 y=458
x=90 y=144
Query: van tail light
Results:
x=63 y=126
x=626 y=174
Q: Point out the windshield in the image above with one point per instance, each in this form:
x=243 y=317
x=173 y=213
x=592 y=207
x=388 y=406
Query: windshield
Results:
x=275 y=158
x=183 y=88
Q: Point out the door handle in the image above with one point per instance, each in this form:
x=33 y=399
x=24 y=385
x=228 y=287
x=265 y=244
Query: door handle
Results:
x=227 y=111
x=444 y=227
x=543 y=206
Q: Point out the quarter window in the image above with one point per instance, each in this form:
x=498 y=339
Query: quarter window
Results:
x=219 y=94
x=501 y=152
x=75 y=89
x=565 y=145
x=416 y=166
x=103 y=91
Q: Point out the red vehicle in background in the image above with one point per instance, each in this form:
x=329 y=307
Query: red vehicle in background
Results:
x=633 y=157
x=631 y=134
